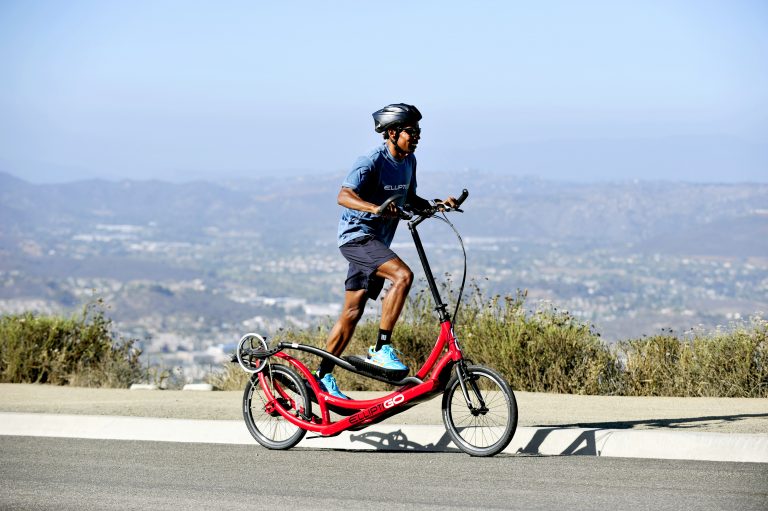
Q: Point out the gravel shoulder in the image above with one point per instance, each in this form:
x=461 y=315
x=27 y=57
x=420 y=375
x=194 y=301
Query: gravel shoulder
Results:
x=722 y=415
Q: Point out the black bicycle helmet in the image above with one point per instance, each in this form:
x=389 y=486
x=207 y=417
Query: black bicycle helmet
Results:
x=397 y=114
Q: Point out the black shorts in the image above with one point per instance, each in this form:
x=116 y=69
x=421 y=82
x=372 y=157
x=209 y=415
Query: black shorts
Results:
x=365 y=255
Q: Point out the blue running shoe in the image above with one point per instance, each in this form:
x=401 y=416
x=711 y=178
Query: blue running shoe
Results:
x=386 y=358
x=328 y=384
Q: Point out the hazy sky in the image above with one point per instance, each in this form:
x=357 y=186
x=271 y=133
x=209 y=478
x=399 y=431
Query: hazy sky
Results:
x=578 y=90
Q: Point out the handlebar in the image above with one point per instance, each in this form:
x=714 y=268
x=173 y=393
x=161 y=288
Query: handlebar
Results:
x=408 y=215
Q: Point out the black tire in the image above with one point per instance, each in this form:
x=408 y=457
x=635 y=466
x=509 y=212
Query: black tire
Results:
x=270 y=429
x=484 y=432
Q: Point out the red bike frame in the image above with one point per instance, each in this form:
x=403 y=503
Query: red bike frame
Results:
x=370 y=411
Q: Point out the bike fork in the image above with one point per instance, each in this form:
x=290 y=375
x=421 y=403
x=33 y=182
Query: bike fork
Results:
x=463 y=375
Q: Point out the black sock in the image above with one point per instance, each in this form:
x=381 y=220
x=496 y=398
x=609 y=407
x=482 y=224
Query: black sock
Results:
x=385 y=337
x=326 y=366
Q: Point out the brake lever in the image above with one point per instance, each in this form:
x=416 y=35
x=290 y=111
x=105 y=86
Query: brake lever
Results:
x=446 y=208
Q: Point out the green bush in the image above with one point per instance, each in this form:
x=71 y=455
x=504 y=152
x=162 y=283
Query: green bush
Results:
x=80 y=350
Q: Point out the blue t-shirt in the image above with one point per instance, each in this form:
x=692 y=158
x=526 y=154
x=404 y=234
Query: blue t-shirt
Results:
x=376 y=177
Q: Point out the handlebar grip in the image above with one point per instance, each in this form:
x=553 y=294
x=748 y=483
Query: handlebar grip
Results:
x=462 y=197
x=386 y=203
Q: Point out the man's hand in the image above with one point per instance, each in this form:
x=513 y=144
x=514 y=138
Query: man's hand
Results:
x=391 y=211
x=442 y=204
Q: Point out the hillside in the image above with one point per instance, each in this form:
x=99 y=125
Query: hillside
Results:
x=195 y=264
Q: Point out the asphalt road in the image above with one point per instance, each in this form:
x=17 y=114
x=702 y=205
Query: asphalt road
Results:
x=61 y=474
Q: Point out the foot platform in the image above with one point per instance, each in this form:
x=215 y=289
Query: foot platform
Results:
x=366 y=368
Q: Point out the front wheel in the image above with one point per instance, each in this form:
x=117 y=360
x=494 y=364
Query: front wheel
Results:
x=485 y=425
x=266 y=425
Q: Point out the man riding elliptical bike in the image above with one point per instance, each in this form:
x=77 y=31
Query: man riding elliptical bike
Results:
x=364 y=237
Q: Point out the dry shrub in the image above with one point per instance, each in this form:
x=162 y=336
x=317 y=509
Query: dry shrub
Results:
x=81 y=350
x=730 y=362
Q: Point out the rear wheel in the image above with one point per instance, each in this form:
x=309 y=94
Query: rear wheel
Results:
x=485 y=425
x=265 y=423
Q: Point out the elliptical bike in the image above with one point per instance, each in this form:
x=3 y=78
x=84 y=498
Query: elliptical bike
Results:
x=283 y=401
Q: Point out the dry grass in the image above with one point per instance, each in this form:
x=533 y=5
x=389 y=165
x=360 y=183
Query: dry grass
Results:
x=727 y=363
x=547 y=350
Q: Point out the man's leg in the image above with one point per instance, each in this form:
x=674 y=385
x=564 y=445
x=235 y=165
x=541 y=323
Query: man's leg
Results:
x=341 y=333
x=396 y=271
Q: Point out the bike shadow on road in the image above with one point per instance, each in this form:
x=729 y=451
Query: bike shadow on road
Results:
x=399 y=441
x=673 y=423
x=586 y=442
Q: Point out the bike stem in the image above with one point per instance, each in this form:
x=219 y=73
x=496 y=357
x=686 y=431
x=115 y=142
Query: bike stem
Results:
x=440 y=307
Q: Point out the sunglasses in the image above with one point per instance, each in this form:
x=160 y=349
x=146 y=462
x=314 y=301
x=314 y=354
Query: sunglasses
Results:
x=412 y=131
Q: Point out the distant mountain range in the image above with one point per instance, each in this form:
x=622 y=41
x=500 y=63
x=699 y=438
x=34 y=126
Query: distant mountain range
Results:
x=676 y=218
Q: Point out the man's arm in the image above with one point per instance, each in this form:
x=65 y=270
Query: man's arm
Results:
x=350 y=199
